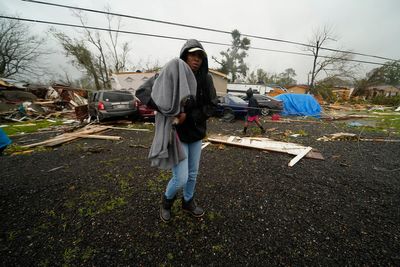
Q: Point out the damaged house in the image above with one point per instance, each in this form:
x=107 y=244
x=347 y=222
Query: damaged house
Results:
x=380 y=90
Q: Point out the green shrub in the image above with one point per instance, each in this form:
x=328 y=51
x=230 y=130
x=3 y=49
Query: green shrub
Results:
x=385 y=100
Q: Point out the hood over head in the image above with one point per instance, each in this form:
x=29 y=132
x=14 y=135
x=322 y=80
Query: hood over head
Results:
x=249 y=92
x=194 y=45
x=202 y=96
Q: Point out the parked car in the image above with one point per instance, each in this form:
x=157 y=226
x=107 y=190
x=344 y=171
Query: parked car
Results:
x=144 y=111
x=230 y=104
x=105 y=104
x=268 y=105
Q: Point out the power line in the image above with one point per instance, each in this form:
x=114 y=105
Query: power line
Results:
x=174 y=38
x=204 y=28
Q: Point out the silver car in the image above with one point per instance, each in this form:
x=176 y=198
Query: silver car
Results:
x=106 y=104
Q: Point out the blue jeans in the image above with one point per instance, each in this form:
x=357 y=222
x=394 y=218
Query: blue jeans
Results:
x=184 y=174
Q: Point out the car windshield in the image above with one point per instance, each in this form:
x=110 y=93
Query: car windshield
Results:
x=235 y=99
x=117 y=96
x=261 y=97
x=266 y=98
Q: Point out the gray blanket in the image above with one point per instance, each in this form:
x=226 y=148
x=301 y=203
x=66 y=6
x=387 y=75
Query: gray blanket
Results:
x=174 y=84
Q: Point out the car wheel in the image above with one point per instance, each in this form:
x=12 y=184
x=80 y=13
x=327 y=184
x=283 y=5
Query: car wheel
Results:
x=227 y=111
x=99 y=117
x=228 y=115
x=264 y=111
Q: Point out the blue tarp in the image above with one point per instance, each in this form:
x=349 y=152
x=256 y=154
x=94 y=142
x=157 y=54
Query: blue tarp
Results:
x=299 y=105
x=4 y=140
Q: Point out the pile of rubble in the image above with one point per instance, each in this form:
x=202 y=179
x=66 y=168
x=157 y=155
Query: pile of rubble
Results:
x=22 y=102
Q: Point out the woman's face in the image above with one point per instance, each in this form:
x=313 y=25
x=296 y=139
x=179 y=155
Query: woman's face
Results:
x=194 y=60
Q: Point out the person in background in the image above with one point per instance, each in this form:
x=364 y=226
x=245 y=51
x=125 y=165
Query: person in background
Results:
x=189 y=123
x=253 y=112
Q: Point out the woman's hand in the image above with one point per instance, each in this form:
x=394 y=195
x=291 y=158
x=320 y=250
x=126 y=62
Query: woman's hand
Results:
x=180 y=118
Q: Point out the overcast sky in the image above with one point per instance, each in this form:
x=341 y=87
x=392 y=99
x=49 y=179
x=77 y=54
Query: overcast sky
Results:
x=364 y=26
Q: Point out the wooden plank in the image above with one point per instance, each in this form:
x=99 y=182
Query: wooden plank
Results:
x=68 y=137
x=204 y=145
x=299 y=156
x=128 y=129
x=94 y=136
x=265 y=144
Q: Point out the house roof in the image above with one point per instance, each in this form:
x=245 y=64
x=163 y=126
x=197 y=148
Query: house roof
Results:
x=337 y=88
x=218 y=73
x=298 y=85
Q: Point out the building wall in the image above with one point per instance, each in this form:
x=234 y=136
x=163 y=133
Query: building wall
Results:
x=129 y=80
x=383 y=90
x=220 y=81
x=220 y=84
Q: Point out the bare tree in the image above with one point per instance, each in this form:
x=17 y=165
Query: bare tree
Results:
x=335 y=64
x=82 y=57
x=19 y=50
x=119 y=56
x=107 y=56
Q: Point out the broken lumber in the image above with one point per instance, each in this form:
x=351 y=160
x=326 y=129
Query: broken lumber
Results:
x=96 y=136
x=66 y=137
x=266 y=144
x=129 y=129
x=351 y=136
x=299 y=156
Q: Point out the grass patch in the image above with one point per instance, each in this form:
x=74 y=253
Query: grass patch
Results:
x=17 y=150
x=98 y=202
x=158 y=184
x=148 y=126
x=217 y=248
x=387 y=124
x=70 y=254
x=29 y=127
x=111 y=162
x=391 y=122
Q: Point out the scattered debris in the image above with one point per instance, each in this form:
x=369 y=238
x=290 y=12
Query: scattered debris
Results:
x=384 y=169
x=205 y=145
x=339 y=136
x=353 y=137
x=355 y=124
x=85 y=132
x=56 y=168
x=348 y=117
